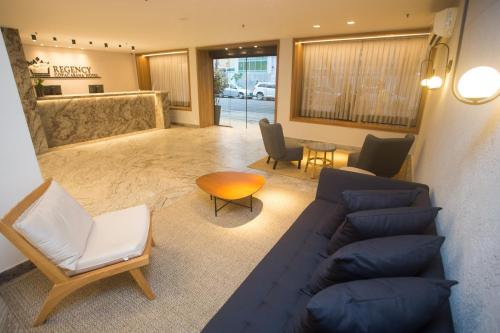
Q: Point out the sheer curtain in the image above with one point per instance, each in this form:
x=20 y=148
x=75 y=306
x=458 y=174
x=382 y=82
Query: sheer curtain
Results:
x=171 y=73
x=375 y=81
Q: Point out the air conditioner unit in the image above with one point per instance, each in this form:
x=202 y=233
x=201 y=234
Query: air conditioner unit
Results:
x=444 y=23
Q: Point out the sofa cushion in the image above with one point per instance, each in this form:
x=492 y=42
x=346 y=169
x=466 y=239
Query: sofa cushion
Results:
x=375 y=258
x=329 y=216
x=382 y=223
x=378 y=199
x=56 y=225
x=116 y=236
x=404 y=304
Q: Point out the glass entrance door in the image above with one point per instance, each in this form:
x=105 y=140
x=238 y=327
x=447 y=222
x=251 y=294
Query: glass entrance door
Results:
x=245 y=90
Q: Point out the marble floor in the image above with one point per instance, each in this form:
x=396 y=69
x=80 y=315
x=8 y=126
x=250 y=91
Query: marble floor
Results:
x=154 y=167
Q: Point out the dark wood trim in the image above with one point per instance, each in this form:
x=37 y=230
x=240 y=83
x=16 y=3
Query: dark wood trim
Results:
x=205 y=83
x=297 y=81
x=352 y=124
x=205 y=75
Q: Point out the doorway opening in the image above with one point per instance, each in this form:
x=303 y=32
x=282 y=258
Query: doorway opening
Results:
x=244 y=87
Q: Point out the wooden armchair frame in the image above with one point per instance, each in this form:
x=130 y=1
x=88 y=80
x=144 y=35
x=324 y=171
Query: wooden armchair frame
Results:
x=63 y=283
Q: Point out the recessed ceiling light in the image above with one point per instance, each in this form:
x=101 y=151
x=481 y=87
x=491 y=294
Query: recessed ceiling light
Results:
x=42 y=45
x=316 y=26
x=240 y=47
x=226 y=49
x=57 y=45
x=256 y=46
x=81 y=48
x=351 y=22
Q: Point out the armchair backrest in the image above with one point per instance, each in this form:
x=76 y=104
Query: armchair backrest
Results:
x=274 y=140
x=51 y=270
x=384 y=157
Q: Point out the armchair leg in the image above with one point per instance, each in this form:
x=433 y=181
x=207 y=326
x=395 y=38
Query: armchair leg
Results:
x=275 y=164
x=268 y=159
x=299 y=164
x=142 y=283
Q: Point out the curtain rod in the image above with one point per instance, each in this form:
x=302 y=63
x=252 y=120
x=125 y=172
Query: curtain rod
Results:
x=363 y=38
x=163 y=53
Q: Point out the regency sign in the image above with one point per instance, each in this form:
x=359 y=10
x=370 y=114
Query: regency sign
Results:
x=41 y=69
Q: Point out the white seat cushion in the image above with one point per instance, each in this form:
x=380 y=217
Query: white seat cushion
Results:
x=57 y=226
x=357 y=170
x=116 y=236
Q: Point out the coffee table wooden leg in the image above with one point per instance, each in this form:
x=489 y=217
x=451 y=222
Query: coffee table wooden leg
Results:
x=333 y=156
x=324 y=159
x=308 y=159
x=314 y=164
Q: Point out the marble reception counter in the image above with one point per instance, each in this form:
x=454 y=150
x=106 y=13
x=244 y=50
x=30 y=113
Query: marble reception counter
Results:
x=71 y=119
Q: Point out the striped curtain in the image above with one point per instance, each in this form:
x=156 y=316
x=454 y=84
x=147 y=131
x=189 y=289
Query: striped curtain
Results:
x=372 y=81
x=170 y=73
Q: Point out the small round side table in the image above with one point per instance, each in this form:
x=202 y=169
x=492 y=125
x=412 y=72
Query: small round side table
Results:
x=319 y=147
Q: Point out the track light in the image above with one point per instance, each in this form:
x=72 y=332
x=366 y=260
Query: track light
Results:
x=119 y=45
x=91 y=43
x=133 y=48
x=73 y=41
x=105 y=44
x=54 y=39
x=33 y=37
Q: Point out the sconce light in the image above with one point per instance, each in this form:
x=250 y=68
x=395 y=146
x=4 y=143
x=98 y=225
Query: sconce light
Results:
x=434 y=81
x=479 y=84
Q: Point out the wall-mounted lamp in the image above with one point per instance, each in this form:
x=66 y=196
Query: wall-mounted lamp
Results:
x=478 y=85
x=434 y=81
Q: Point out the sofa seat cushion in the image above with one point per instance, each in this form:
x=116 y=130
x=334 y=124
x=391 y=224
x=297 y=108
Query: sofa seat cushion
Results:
x=116 y=236
x=273 y=292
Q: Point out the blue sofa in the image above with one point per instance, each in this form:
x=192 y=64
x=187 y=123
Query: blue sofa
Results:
x=272 y=294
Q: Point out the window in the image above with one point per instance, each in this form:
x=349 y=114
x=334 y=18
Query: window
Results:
x=170 y=73
x=253 y=64
x=368 y=81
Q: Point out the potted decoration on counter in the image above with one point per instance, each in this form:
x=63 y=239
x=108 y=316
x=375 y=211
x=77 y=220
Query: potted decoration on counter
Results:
x=220 y=82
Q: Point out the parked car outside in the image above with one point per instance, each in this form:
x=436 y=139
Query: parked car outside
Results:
x=233 y=90
x=265 y=90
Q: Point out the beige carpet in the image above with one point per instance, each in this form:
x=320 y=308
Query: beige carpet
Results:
x=290 y=168
x=198 y=262
x=340 y=160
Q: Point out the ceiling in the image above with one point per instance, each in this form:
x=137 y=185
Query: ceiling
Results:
x=168 y=24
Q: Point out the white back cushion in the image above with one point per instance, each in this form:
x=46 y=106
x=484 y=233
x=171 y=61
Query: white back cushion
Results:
x=57 y=226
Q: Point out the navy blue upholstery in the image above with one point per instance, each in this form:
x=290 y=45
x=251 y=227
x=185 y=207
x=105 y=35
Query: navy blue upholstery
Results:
x=273 y=293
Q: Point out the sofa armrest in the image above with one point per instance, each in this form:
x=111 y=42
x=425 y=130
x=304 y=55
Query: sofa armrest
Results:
x=333 y=182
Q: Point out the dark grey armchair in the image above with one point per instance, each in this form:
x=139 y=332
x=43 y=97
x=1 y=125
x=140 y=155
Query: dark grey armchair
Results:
x=274 y=142
x=383 y=157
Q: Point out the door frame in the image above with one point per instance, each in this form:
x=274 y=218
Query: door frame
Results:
x=205 y=74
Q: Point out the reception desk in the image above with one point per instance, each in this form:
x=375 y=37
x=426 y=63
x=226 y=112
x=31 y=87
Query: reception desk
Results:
x=71 y=119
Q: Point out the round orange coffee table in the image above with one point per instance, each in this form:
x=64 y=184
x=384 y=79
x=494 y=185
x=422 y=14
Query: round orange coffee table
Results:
x=229 y=186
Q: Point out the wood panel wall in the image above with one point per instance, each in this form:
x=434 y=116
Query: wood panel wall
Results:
x=205 y=74
x=143 y=74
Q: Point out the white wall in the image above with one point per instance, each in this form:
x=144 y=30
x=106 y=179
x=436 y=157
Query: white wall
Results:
x=117 y=70
x=19 y=171
x=458 y=155
x=336 y=134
